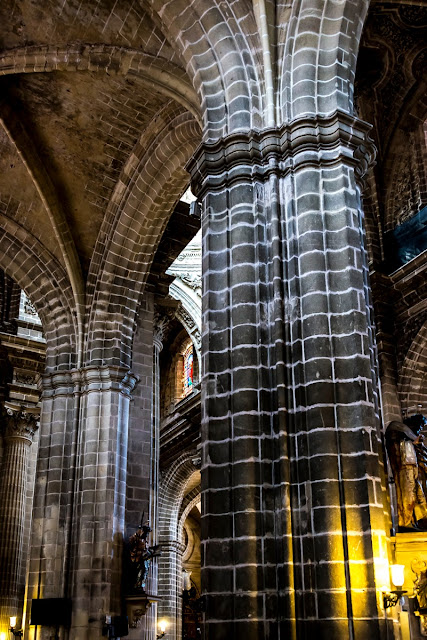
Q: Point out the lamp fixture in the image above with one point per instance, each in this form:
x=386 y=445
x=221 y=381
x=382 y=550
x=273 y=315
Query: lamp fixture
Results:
x=162 y=628
x=397 y=574
x=391 y=598
x=17 y=633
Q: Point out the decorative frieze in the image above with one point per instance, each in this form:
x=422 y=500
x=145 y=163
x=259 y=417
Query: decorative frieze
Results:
x=193 y=280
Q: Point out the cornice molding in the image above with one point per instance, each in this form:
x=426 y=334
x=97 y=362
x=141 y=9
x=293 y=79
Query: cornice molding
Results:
x=312 y=141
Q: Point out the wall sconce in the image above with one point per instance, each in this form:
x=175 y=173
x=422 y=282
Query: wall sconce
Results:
x=17 y=633
x=162 y=628
x=398 y=578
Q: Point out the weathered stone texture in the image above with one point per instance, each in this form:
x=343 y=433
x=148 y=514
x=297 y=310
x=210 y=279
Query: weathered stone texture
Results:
x=107 y=109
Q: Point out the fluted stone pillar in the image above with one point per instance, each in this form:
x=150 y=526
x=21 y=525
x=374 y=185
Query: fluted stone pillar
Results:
x=293 y=527
x=99 y=514
x=152 y=586
x=79 y=505
x=20 y=427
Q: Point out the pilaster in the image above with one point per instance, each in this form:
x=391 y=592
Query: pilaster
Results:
x=99 y=511
x=384 y=302
x=21 y=424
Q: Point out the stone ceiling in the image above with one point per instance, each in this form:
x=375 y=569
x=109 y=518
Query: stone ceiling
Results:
x=67 y=131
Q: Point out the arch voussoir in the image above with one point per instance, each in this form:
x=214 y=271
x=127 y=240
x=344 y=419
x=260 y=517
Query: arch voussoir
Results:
x=319 y=61
x=34 y=269
x=138 y=222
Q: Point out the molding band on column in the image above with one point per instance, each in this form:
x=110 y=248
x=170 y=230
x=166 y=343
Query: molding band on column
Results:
x=91 y=378
x=310 y=141
x=106 y=378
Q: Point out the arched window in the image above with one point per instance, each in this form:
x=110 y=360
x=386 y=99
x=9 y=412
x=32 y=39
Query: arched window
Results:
x=188 y=370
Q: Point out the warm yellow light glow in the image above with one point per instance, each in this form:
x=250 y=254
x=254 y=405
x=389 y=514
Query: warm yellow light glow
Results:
x=2 y=636
x=162 y=625
x=12 y=621
x=397 y=574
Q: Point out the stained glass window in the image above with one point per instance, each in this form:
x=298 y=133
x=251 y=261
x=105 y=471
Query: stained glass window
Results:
x=188 y=370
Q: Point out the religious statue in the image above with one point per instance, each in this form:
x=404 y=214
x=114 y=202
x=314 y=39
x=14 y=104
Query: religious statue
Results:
x=408 y=459
x=419 y=568
x=141 y=554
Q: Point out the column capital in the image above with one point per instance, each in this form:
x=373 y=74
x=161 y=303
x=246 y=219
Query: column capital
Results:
x=106 y=378
x=90 y=378
x=20 y=421
x=309 y=141
x=157 y=341
x=162 y=325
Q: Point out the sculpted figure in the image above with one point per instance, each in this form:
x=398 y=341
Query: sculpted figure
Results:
x=141 y=554
x=408 y=461
x=419 y=568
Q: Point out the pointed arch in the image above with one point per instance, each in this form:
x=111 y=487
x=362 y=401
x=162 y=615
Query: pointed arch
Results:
x=165 y=77
x=36 y=270
x=222 y=60
x=319 y=61
x=413 y=378
x=181 y=477
x=149 y=188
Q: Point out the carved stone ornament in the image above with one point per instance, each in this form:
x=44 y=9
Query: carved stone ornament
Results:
x=29 y=308
x=137 y=615
x=197 y=462
x=185 y=318
x=21 y=378
x=193 y=280
x=21 y=422
x=162 y=324
x=137 y=607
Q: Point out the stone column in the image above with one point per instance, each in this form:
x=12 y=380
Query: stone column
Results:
x=293 y=528
x=147 y=626
x=337 y=476
x=55 y=489
x=239 y=553
x=139 y=497
x=99 y=510
x=170 y=586
x=20 y=427
x=79 y=504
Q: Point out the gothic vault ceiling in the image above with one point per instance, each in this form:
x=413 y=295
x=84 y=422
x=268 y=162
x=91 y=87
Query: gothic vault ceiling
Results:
x=73 y=109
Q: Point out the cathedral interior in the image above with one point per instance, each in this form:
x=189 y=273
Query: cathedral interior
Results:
x=213 y=319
